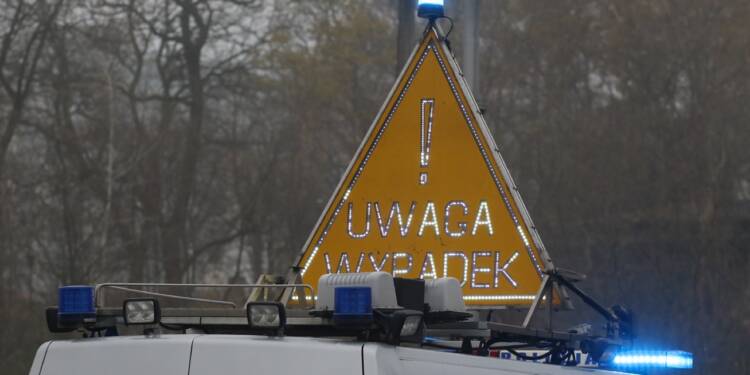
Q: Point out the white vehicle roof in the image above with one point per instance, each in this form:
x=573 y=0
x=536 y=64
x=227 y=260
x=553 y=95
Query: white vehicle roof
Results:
x=249 y=354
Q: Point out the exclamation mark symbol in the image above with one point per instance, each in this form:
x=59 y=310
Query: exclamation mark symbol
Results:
x=425 y=139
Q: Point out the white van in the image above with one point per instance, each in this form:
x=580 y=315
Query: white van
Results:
x=192 y=354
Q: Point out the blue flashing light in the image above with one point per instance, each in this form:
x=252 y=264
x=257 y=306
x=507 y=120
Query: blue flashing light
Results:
x=76 y=300
x=653 y=359
x=430 y=9
x=352 y=301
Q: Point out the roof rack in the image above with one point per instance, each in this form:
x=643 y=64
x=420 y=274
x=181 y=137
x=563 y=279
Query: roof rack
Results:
x=224 y=308
x=207 y=313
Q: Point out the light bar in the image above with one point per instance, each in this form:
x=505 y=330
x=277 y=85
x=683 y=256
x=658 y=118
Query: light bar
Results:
x=76 y=301
x=382 y=287
x=654 y=359
x=141 y=311
x=430 y=9
x=352 y=301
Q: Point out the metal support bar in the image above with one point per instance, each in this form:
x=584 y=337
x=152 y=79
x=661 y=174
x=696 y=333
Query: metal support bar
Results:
x=98 y=300
x=296 y=278
x=517 y=334
x=555 y=281
x=164 y=295
x=550 y=293
x=586 y=298
x=474 y=329
x=535 y=304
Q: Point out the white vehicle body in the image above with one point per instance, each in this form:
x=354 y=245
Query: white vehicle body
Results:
x=192 y=354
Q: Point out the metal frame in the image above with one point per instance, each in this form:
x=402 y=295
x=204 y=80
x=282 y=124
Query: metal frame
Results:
x=554 y=280
x=300 y=321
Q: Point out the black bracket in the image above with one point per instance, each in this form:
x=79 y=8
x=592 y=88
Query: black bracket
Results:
x=620 y=323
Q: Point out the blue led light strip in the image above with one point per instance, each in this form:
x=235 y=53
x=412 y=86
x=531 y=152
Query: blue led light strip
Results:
x=654 y=359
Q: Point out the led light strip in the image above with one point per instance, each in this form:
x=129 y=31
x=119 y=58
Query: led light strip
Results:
x=401 y=271
x=462 y=226
x=307 y=298
x=367 y=222
x=425 y=137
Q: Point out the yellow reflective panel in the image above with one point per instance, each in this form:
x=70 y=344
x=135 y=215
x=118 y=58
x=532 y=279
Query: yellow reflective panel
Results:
x=426 y=196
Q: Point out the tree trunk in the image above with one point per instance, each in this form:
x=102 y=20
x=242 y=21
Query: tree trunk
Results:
x=192 y=41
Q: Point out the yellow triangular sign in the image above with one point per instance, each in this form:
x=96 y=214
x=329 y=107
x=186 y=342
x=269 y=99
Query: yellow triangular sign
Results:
x=428 y=196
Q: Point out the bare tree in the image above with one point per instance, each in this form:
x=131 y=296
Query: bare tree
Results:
x=25 y=32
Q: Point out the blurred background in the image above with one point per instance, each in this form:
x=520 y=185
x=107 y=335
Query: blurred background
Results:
x=198 y=140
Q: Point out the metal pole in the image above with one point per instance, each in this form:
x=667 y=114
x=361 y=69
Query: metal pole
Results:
x=470 y=42
x=539 y=294
x=407 y=10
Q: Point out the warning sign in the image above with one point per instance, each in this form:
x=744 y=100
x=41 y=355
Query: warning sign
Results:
x=427 y=195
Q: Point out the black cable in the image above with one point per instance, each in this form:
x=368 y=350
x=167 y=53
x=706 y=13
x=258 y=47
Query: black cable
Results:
x=518 y=346
x=451 y=28
x=539 y=345
x=569 y=359
x=530 y=357
x=172 y=328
